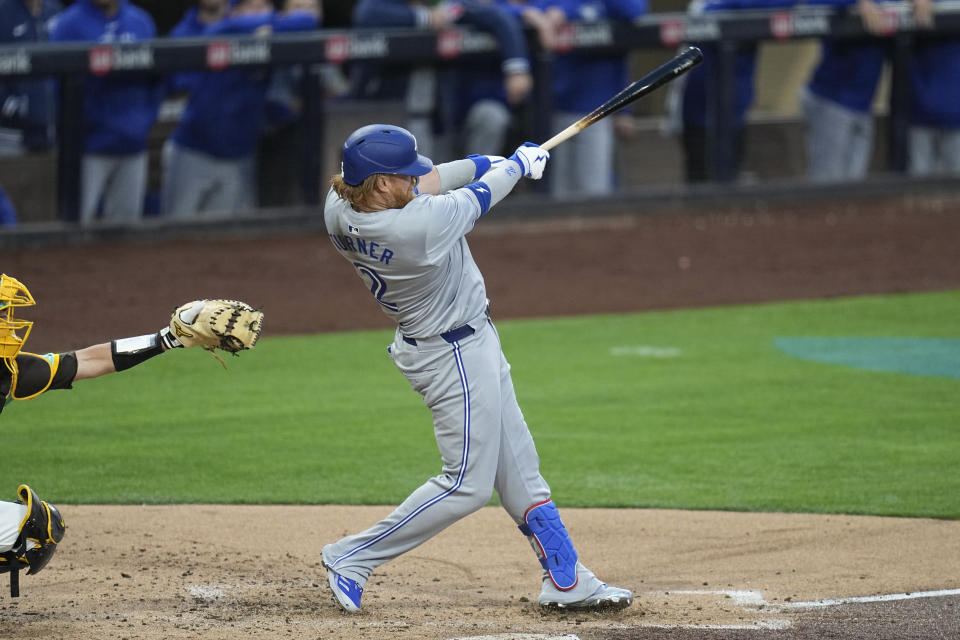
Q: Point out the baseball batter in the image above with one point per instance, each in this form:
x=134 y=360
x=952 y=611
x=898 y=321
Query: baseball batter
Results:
x=401 y=222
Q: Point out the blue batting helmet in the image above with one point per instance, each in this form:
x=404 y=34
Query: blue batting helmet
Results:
x=382 y=148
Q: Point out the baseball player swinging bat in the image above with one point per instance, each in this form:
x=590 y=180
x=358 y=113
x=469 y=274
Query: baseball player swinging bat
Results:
x=686 y=60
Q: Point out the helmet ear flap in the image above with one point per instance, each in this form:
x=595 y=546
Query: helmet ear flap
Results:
x=13 y=332
x=14 y=293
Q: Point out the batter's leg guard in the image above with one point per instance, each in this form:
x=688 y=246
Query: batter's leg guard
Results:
x=551 y=542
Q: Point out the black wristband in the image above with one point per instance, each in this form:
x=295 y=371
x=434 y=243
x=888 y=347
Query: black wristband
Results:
x=129 y=352
x=168 y=340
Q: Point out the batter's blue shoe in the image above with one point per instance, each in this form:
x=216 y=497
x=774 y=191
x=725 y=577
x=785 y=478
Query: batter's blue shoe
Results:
x=346 y=592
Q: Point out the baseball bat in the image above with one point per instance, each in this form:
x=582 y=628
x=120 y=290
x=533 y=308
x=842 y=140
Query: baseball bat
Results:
x=683 y=62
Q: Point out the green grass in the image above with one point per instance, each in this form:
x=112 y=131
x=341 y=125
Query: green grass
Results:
x=727 y=422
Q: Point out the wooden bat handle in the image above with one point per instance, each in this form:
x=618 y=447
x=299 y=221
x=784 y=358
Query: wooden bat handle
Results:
x=564 y=135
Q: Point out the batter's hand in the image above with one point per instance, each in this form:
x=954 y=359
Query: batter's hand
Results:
x=532 y=160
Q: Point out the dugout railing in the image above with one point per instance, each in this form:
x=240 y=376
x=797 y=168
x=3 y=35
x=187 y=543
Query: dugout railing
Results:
x=70 y=63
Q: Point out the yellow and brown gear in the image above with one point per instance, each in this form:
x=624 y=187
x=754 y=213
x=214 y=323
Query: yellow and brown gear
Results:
x=13 y=332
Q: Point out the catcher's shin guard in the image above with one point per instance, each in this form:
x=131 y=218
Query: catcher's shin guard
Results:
x=551 y=542
x=41 y=531
x=43 y=526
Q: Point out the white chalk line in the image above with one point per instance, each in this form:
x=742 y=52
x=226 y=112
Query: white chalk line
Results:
x=519 y=636
x=742 y=598
x=891 y=597
x=760 y=625
x=755 y=598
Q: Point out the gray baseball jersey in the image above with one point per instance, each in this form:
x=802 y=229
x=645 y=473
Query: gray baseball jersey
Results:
x=415 y=260
x=417 y=264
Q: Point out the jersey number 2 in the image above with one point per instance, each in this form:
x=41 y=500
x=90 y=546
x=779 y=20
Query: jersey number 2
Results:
x=377 y=285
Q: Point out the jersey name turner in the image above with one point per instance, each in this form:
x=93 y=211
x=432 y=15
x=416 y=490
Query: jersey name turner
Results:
x=363 y=247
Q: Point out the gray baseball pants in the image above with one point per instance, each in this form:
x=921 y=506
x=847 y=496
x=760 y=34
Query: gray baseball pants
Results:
x=839 y=140
x=934 y=151
x=195 y=182
x=120 y=181
x=584 y=164
x=484 y=444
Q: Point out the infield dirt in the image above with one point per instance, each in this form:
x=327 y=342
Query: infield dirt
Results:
x=211 y=571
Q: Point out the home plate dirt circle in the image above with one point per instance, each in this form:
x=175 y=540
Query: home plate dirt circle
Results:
x=519 y=636
x=225 y=571
x=255 y=572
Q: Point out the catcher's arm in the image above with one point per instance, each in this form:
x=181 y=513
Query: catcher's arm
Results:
x=230 y=325
x=213 y=324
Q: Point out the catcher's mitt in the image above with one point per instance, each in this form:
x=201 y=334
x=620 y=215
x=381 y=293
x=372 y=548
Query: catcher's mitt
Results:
x=230 y=325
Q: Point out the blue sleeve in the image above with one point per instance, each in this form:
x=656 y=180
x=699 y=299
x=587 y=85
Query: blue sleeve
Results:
x=6 y=29
x=295 y=21
x=7 y=214
x=727 y=5
x=184 y=28
x=183 y=81
x=141 y=23
x=616 y=9
x=64 y=28
x=384 y=13
x=150 y=26
x=504 y=27
x=514 y=9
x=244 y=24
x=482 y=164
x=570 y=9
x=247 y=24
x=482 y=192
x=626 y=9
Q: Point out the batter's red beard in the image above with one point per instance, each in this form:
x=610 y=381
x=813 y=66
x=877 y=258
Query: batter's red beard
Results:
x=400 y=200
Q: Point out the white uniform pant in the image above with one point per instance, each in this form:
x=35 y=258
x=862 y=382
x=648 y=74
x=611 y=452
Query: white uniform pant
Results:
x=484 y=444
x=485 y=128
x=584 y=164
x=117 y=182
x=934 y=151
x=839 y=140
x=195 y=182
x=11 y=515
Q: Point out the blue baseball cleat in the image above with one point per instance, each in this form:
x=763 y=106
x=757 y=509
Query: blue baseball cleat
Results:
x=346 y=592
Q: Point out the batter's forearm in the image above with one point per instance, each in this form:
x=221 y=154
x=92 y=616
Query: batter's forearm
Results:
x=501 y=179
x=456 y=174
x=489 y=181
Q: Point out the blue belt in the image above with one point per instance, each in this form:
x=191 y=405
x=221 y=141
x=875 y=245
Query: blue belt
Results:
x=450 y=336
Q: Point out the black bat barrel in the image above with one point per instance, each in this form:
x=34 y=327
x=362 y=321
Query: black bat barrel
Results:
x=686 y=60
